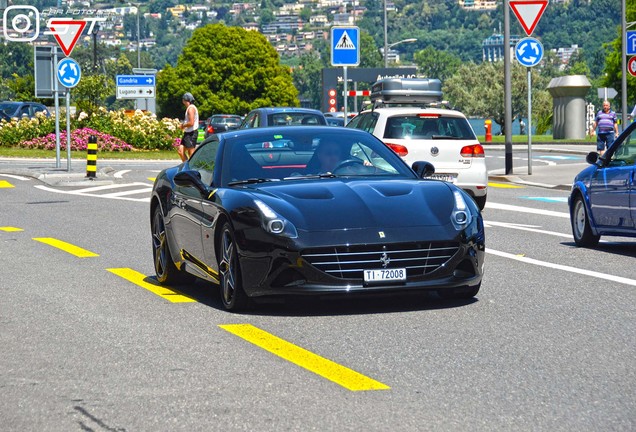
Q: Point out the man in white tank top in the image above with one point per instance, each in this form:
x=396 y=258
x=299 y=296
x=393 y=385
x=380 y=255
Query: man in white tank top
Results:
x=189 y=127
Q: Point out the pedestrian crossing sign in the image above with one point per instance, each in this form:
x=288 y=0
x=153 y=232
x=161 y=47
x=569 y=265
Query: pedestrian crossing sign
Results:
x=345 y=46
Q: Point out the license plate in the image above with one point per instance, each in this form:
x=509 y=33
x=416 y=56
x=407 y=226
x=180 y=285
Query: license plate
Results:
x=385 y=275
x=444 y=177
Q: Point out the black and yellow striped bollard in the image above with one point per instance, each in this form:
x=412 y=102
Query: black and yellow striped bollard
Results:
x=91 y=157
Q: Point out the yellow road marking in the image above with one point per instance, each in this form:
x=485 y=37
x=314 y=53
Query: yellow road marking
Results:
x=67 y=247
x=140 y=280
x=10 y=229
x=328 y=369
x=5 y=184
x=504 y=185
x=152 y=179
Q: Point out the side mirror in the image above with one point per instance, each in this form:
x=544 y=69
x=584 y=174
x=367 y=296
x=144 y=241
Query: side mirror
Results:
x=591 y=158
x=190 y=178
x=423 y=169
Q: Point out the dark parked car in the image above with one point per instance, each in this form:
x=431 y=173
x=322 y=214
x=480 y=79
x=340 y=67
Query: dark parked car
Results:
x=265 y=117
x=329 y=211
x=603 y=197
x=221 y=123
x=335 y=121
x=23 y=109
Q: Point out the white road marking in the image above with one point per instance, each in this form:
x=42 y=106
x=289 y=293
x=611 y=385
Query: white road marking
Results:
x=15 y=177
x=115 y=195
x=129 y=192
x=120 y=174
x=509 y=207
x=530 y=228
x=569 y=269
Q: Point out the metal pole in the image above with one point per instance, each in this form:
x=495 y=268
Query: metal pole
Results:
x=507 y=89
x=386 y=39
x=138 y=43
x=529 y=121
x=56 y=89
x=345 y=93
x=623 y=65
x=68 y=130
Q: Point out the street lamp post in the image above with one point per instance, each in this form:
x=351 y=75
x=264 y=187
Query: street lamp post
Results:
x=388 y=47
x=386 y=44
x=94 y=34
x=138 y=40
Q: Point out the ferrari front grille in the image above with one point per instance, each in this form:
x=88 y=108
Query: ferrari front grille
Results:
x=349 y=262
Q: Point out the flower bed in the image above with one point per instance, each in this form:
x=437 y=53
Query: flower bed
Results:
x=118 y=131
x=79 y=141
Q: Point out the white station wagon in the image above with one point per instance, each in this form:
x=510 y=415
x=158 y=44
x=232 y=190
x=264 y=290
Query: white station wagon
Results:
x=442 y=137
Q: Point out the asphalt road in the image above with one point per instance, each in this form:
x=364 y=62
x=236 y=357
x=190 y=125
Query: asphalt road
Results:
x=546 y=345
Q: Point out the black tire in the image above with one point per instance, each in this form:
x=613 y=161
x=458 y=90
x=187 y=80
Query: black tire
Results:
x=459 y=293
x=167 y=273
x=581 y=230
x=232 y=294
x=480 y=201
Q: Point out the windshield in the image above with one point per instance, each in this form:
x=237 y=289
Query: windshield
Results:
x=308 y=154
x=8 y=107
x=295 y=119
x=428 y=126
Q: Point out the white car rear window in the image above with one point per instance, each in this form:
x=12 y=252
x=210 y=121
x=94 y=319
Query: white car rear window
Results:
x=428 y=127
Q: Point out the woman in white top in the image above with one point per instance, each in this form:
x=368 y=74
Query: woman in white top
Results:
x=189 y=127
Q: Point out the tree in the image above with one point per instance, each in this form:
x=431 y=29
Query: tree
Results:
x=228 y=70
x=91 y=92
x=436 y=64
x=306 y=75
x=477 y=90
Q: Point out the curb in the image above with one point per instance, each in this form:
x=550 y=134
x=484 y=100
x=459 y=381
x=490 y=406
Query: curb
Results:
x=519 y=180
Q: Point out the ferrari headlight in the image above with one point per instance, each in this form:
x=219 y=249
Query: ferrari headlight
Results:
x=274 y=223
x=461 y=216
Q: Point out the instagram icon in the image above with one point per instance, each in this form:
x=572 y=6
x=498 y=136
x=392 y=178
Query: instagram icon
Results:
x=24 y=20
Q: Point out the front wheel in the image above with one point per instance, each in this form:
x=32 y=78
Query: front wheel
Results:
x=232 y=294
x=581 y=229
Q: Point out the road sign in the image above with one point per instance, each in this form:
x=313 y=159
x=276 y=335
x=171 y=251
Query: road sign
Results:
x=606 y=93
x=135 y=92
x=630 y=49
x=529 y=52
x=135 y=86
x=631 y=66
x=528 y=12
x=69 y=72
x=345 y=46
x=67 y=32
x=135 y=80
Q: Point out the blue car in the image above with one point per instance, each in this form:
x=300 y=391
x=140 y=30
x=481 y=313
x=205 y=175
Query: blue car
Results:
x=603 y=197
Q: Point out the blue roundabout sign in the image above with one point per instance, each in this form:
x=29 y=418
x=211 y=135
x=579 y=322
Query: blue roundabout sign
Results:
x=69 y=72
x=529 y=52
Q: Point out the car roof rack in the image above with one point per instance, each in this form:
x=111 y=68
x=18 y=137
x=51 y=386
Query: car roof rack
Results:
x=425 y=92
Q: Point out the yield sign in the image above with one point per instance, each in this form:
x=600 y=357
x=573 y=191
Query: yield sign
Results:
x=66 y=32
x=528 y=12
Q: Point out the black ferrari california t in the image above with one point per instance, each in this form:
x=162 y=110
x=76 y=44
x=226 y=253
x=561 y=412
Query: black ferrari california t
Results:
x=312 y=210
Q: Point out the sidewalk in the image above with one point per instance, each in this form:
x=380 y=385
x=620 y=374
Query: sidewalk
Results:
x=558 y=176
